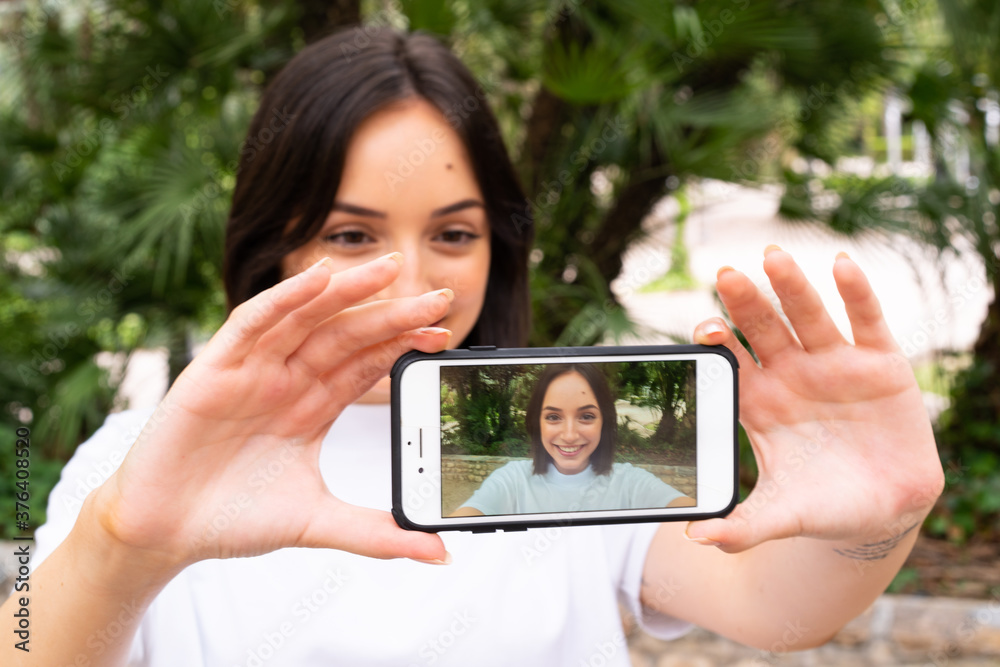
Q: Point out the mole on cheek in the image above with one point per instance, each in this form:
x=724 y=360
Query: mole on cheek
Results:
x=448 y=166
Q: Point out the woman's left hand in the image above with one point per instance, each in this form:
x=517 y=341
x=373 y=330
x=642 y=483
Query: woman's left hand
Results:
x=843 y=443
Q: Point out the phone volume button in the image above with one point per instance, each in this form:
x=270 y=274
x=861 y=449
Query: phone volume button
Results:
x=482 y=348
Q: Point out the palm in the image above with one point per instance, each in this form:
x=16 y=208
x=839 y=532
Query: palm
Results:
x=228 y=466
x=842 y=441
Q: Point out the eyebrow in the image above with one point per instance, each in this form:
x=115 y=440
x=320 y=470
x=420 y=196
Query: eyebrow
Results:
x=357 y=210
x=590 y=406
x=436 y=213
x=457 y=206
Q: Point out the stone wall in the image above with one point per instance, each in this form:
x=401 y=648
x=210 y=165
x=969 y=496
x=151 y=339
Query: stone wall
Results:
x=896 y=631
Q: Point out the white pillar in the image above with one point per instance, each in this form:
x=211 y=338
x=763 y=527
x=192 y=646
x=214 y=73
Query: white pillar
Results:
x=921 y=144
x=893 y=116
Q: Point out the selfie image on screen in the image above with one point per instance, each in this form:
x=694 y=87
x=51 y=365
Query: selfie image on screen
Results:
x=563 y=437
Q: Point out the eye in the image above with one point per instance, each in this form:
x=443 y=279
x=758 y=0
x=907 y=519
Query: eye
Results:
x=552 y=417
x=349 y=238
x=588 y=417
x=456 y=236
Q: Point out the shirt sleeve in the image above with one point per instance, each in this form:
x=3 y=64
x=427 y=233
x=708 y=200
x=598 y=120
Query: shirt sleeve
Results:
x=628 y=547
x=648 y=490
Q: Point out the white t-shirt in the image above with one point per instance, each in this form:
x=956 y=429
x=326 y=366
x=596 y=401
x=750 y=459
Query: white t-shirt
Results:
x=540 y=597
x=514 y=489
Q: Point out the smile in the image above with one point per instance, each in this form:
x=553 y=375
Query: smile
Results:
x=568 y=451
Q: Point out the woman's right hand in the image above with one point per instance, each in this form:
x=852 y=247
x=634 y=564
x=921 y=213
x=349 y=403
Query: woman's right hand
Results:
x=228 y=465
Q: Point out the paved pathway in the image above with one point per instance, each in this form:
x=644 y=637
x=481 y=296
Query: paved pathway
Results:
x=927 y=307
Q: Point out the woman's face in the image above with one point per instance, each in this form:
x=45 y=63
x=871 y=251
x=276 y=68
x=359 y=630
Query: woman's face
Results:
x=408 y=186
x=570 y=423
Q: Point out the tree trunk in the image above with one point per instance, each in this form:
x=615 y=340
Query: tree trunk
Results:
x=987 y=346
x=666 y=429
x=319 y=18
x=623 y=223
x=548 y=113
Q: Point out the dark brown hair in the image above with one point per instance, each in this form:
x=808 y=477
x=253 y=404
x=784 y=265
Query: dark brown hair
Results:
x=604 y=455
x=293 y=169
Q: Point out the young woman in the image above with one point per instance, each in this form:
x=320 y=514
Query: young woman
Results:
x=377 y=221
x=572 y=422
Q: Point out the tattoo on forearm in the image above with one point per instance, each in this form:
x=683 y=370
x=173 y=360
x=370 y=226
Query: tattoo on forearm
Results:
x=875 y=550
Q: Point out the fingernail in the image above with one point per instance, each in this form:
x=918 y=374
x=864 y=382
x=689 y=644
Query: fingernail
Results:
x=703 y=540
x=326 y=262
x=712 y=327
x=448 y=294
x=771 y=248
x=395 y=256
x=723 y=270
x=700 y=540
x=436 y=561
x=842 y=254
x=434 y=330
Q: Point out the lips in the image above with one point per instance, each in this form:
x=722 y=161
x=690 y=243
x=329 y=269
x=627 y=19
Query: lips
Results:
x=569 y=451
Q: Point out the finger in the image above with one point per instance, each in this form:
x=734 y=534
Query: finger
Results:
x=359 y=372
x=256 y=316
x=800 y=302
x=338 y=525
x=346 y=288
x=362 y=326
x=753 y=314
x=863 y=309
x=715 y=331
x=754 y=521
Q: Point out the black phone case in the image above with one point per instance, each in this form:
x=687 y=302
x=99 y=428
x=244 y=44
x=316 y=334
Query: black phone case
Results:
x=486 y=352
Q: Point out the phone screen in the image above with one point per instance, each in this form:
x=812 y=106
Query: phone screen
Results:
x=568 y=436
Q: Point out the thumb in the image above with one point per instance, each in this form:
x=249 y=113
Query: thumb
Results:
x=368 y=532
x=749 y=524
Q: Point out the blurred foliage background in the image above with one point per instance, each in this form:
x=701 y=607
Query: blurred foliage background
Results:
x=121 y=122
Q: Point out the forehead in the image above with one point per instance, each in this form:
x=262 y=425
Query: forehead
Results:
x=569 y=387
x=407 y=156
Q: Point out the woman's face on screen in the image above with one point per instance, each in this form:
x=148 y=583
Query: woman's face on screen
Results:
x=570 y=423
x=408 y=186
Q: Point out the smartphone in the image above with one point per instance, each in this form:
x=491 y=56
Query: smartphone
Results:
x=487 y=439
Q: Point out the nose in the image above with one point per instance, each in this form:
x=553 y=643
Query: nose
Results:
x=569 y=432
x=414 y=277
